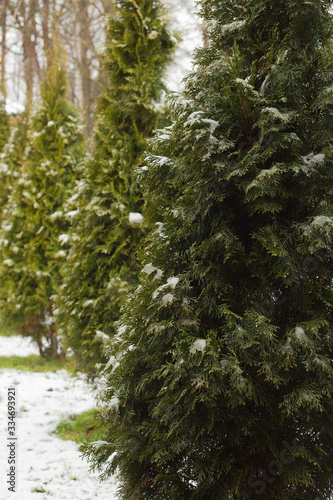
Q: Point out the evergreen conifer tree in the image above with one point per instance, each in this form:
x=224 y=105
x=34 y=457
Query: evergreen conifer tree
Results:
x=11 y=159
x=36 y=212
x=220 y=383
x=4 y=124
x=102 y=264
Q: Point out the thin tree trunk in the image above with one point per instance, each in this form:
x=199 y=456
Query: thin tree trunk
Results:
x=25 y=17
x=205 y=39
x=54 y=345
x=40 y=347
x=85 y=75
x=47 y=42
x=3 y=21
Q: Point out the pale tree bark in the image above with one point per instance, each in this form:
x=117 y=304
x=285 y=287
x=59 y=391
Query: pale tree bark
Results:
x=108 y=6
x=47 y=42
x=31 y=30
x=3 y=22
x=85 y=63
x=24 y=16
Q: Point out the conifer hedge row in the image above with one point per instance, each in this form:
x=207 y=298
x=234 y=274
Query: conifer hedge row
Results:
x=199 y=277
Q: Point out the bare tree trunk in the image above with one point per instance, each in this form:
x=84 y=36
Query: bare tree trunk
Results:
x=54 y=345
x=108 y=6
x=205 y=39
x=40 y=347
x=25 y=19
x=3 y=21
x=47 y=42
x=85 y=43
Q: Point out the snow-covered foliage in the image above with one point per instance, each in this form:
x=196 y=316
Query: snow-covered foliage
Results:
x=102 y=266
x=33 y=225
x=233 y=346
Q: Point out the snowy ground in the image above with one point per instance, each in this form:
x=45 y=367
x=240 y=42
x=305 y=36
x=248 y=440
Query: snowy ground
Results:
x=47 y=467
x=17 y=346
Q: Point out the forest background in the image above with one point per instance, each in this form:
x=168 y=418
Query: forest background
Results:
x=30 y=29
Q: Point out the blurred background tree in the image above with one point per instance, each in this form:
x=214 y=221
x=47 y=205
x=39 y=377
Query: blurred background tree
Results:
x=27 y=34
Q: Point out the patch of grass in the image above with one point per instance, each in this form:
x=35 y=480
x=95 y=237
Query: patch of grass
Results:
x=85 y=428
x=40 y=489
x=35 y=363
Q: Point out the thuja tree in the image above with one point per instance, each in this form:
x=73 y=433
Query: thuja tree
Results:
x=11 y=159
x=36 y=213
x=102 y=265
x=220 y=386
x=4 y=124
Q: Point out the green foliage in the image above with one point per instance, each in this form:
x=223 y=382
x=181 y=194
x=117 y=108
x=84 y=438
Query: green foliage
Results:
x=11 y=160
x=83 y=428
x=9 y=328
x=102 y=265
x=4 y=125
x=36 y=214
x=220 y=383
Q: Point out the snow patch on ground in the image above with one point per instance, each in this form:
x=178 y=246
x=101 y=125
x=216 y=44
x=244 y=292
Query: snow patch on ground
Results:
x=17 y=346
x=46 y=463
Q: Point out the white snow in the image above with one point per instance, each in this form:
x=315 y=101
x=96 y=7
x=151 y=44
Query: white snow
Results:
x=88 y=303
x=309 y=161
x=313 y=159
x=48 y=320
x=171 y=283
x=63 y=238
x=48 y=468
x=17 y=346
x=167 y=298
x=72 y=214
x=232 y=26
x=246 y=84
x=149 y=268
x=135 y=218
x=161 y=160
x=60 y=254
x=4 y=169
x=14 y=107
x=300 y=334
x=278 y=115
x=158 y=274
x=322 y=221
x=101 y=336
x=198 y=345
x=114 y=403
x=56 y=215
x=264 y=84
